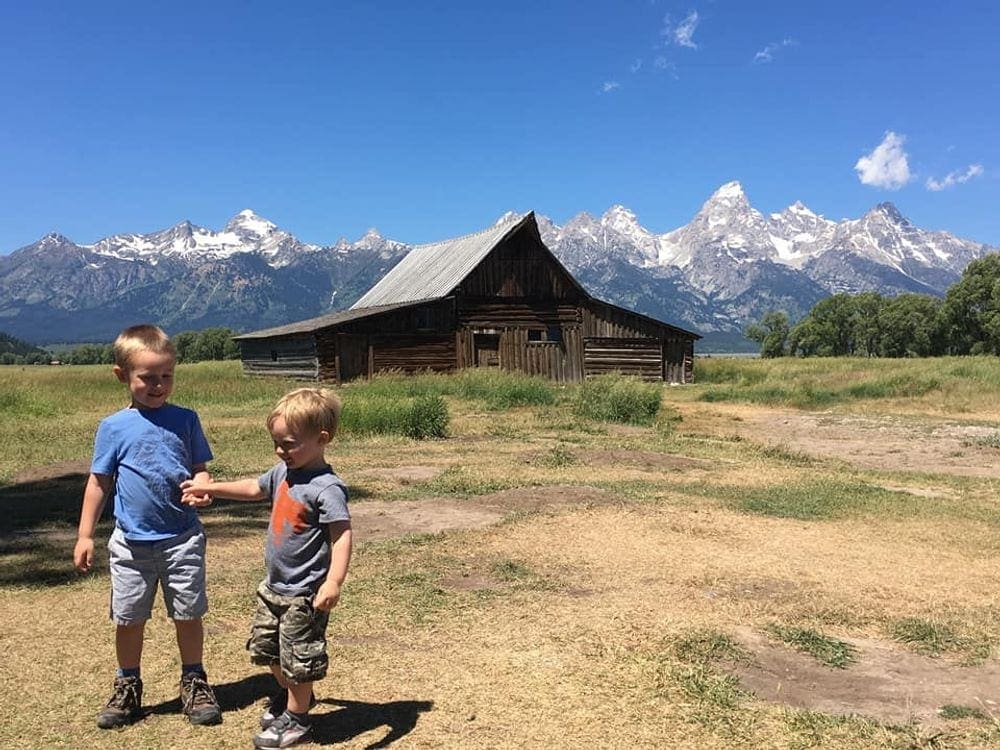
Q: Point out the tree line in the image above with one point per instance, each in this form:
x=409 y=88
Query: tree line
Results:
x=192 y=346
x=965 y=321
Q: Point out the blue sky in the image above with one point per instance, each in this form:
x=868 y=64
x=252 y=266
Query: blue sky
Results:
x=430 y=119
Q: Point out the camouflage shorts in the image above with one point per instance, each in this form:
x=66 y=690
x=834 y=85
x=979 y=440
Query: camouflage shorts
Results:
x=287 y=630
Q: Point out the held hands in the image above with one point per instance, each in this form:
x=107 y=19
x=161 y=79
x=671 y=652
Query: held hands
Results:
x=194 y=494
x=327 y=596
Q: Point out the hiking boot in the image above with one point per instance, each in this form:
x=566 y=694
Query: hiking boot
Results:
x=284 y=731
x=198 y=701
x=125 y=704
x=276 y=706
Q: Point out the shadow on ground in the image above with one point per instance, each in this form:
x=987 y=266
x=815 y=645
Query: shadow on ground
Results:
x=355 y=718
x=351 y=719
x=39 y=516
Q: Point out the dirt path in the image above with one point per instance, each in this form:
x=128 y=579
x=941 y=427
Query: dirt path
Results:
x=888 y=443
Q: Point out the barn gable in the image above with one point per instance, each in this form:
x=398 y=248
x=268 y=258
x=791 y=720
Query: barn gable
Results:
x=437 y=270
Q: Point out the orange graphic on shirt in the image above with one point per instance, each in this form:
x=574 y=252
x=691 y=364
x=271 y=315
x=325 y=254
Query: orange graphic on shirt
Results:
x=287 y=516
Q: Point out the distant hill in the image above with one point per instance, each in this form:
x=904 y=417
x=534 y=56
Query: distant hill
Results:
x=11 y=345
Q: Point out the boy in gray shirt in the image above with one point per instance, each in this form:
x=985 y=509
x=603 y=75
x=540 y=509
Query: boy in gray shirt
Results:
x=307 y=553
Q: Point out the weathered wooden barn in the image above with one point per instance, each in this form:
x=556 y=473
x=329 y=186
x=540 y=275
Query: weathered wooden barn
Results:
x=497 y=298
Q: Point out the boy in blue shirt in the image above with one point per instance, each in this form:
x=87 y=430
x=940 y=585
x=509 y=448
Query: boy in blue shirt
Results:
x=307 y=554
x=141 y=455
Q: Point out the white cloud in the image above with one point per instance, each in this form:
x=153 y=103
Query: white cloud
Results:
x=954 y=178
x=609 y=86
x=766 y=55
x=886 y=166
x=634 y=67
x=683 y=33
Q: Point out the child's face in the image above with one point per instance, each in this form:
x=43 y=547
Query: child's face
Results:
x=299 y=450
x=149 y=377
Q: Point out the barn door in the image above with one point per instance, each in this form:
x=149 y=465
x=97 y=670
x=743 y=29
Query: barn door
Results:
x=487 y=346
x=353 y=353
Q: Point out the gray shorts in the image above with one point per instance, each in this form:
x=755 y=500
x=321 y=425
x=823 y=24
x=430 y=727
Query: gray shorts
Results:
x=177 y=564
x=289 y=631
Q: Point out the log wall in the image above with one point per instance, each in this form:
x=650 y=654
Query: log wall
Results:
x=285 y=357
x=641 y=358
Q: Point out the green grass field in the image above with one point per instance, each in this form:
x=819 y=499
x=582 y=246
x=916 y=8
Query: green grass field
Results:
x=594 y=583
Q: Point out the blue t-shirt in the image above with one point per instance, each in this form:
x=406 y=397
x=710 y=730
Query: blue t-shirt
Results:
x=303 y=502
x=149 y=452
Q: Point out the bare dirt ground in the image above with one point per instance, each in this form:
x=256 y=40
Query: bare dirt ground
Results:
x=375 y=520
x=881 y=442
x=886 y=683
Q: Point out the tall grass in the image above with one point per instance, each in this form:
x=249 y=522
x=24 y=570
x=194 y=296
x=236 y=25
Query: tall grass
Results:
x=616 y=398
x=493 y=389
x=421 y=417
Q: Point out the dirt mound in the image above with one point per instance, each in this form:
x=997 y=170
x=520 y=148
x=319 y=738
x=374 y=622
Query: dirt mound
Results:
x=377 y=519
x=886 y=683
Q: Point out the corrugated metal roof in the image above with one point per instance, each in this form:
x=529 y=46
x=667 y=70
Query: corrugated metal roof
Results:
x=323 y=321
x=432 y=271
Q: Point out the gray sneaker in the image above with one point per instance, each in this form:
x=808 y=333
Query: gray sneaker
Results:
x=198 y=700
x=284 y=731
x=125 y=704
x=276 y=706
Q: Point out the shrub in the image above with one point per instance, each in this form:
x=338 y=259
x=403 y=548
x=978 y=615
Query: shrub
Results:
x=616 y=398
x=418 y=418
x=427 y=417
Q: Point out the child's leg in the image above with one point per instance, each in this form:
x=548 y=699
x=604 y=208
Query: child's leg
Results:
x=299 y=696
x=128 y=644
x=190 y=640
x=276 y=671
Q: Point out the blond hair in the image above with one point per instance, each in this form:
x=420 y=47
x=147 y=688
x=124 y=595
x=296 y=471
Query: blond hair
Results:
x=309 y=410
x=141 y=338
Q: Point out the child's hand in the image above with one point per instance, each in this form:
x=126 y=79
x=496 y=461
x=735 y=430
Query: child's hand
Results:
x=83 y=554
x=327 y=596
x=196 y=500
x=194 y=494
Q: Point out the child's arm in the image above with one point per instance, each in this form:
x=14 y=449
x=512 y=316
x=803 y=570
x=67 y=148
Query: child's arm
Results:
x=199 y=474
x=340 y=558
x=96 y=492
x=198 y=492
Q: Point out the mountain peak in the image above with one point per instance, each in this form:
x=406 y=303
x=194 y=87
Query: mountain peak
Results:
x=889 y=211
x=726 y=199
x=730 y=191
x=508 y=217
x=248 y=222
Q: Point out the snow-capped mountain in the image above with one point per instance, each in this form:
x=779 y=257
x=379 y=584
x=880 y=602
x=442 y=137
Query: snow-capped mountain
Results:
x=244 y=233
x=249 y=275
x=728 y=266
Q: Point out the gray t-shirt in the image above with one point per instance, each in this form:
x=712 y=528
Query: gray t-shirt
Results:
x=297 y=553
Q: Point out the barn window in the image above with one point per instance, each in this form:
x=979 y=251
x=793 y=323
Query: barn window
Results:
x=534 y=335
x=424 y=317
x=554 y=333
x=274 y=355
